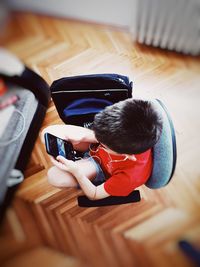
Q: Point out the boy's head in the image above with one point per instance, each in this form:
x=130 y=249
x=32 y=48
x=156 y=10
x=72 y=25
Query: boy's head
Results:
x=131 y=126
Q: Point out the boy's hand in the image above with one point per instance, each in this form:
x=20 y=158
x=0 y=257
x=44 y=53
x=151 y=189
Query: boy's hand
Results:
x=64 y=164
x=79 y=137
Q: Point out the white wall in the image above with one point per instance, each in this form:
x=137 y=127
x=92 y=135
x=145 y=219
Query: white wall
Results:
x=112 y=12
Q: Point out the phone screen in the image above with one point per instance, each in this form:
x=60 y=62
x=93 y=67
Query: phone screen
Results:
x=56 y=146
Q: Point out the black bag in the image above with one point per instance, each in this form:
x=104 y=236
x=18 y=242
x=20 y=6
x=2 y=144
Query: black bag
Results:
x=79 y=98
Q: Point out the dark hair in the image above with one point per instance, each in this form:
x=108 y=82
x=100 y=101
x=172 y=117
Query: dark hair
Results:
x=131 y=126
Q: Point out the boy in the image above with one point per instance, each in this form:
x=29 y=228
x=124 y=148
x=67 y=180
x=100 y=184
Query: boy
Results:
x=119 y=150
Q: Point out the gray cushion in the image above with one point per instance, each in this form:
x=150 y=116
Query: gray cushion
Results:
x=164 y=152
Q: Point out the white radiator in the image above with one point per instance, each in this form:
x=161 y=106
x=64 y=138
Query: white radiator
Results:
x=169 y=24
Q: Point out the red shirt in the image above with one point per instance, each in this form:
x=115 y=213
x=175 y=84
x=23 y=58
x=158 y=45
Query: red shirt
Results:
x=124 y=174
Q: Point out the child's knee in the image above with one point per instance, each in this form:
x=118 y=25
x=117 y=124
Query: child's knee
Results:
x=59 y=179
x=51 y=175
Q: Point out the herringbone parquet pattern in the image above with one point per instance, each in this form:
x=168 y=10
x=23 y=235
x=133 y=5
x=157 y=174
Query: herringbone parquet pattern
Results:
x=140 y=234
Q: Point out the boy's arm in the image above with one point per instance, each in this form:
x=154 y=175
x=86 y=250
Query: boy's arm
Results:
x=80 y=137
x=91 y=191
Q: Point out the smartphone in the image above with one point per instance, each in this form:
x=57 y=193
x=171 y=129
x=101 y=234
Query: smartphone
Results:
x=56 y=146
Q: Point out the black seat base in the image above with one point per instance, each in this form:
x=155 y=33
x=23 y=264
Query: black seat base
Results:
x=134 y=196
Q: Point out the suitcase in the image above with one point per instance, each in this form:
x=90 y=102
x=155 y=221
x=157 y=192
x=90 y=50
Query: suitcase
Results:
x=19 y=136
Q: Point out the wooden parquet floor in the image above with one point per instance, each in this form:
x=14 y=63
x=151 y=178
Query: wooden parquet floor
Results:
x=45 y=226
